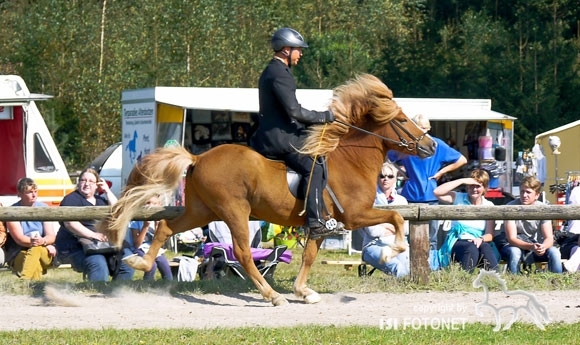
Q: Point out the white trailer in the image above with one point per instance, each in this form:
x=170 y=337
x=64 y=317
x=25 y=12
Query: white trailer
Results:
x=28 y=149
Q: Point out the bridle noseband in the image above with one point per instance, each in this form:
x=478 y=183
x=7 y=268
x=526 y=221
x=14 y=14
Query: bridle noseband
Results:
x=397 y=127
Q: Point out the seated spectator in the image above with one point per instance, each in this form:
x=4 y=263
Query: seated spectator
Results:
x=532 y=240
x=96 y=267
x=139 y=239
x=468 y=242
x=30 y=246
x=571 y=240
x=377 y=239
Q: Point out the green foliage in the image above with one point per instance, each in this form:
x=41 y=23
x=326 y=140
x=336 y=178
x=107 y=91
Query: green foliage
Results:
x=473 y=333
x=521 y=54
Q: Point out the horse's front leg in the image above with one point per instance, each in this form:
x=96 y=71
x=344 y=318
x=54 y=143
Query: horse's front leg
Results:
x=398 y=222
x=308 y=256
x=375 y=216
x=145 y=263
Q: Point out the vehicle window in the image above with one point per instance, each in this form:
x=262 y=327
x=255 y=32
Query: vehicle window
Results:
x=42 y=160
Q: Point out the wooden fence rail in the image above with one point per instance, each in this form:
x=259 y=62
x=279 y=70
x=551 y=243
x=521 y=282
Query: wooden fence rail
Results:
x=414 y=212
x=419 y=216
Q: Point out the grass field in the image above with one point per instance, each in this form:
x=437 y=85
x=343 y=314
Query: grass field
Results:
x=323 y=278
x=470 y=334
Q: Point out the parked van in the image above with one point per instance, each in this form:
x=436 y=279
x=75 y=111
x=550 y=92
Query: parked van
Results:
x=109 y=164
x=27 y=147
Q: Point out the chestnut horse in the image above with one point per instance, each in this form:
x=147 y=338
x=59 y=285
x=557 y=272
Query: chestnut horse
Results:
x=233 y=182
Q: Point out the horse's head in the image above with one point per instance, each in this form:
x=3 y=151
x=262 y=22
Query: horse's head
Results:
x=493 y=276
x=366 y=105
x=405 y=136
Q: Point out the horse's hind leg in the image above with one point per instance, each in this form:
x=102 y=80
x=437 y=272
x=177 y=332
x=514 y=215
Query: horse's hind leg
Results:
x=241 y=244
x=300 y=288
x=145 y=263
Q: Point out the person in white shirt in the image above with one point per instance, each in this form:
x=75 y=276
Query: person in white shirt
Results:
x=378 y=238
x=569 y=249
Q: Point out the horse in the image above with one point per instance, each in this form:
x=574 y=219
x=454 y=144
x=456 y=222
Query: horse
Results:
x=537 y=311
x=233 y=182
x=132 y=147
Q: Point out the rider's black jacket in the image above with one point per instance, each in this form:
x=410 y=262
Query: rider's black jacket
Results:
x=282 y=121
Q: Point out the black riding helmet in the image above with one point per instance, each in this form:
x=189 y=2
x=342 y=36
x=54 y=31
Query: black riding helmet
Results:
x=287 y=37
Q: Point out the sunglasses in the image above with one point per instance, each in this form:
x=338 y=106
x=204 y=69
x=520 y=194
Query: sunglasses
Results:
x=390 y=177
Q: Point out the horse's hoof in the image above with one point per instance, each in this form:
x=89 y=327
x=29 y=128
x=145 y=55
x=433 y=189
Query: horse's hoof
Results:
x=136 y=262
x=279 y=301
x=313 y=298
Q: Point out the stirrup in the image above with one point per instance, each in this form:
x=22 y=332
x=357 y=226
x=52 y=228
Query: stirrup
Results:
x=331 y=228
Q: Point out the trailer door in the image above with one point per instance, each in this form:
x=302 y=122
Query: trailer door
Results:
x=12 y=149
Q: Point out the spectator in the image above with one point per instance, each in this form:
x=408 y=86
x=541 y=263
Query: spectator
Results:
x=378 y=238
x=139 y=240
x=423 y=174
x=532 y=240
x=569 y=246
x=468 y=242
x=31 y=243
x=95 y=266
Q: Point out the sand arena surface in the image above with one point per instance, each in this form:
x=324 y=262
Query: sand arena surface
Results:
x=126 y=309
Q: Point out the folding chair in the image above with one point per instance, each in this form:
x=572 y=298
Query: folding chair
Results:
x=220 y=258
x=355 y=246
x=221 y=263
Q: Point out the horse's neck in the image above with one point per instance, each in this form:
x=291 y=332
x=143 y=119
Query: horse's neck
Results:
x=367 y=149
x=485 y=292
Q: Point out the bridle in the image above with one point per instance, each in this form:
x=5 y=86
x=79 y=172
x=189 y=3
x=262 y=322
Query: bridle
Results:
x=397 y=127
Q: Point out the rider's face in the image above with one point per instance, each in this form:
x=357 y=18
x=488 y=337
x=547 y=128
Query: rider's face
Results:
x=296 y=54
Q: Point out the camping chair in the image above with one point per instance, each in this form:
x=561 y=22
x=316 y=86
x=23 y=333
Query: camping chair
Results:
x=220 y=259
x=356 y=241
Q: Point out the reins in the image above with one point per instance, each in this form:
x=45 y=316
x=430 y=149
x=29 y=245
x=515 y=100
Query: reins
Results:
x=396 y=125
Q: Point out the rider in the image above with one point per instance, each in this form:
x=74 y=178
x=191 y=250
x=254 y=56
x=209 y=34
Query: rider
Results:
x=283 y=122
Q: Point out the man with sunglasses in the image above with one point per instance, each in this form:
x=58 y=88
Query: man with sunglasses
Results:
x=423 y=175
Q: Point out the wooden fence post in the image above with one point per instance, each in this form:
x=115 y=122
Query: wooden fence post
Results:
x=419 y=251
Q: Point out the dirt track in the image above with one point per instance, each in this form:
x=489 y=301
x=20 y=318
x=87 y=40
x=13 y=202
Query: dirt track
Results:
x=59 y=309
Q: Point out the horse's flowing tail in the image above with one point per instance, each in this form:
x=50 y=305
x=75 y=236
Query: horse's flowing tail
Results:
x=158 y=173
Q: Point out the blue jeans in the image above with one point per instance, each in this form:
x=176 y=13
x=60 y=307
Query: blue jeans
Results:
x=470 y=257
x=398 y=266
x=126 y=272
x=513 y=256
x=93 y=266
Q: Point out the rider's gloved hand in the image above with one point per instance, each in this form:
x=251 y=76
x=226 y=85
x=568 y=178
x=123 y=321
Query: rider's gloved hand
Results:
x=329 y=116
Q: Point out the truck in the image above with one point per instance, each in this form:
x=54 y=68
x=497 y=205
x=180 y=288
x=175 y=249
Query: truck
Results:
x=27 y=146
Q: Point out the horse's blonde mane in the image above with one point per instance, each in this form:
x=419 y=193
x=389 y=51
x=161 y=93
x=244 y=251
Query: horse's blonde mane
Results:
x=363 y=96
